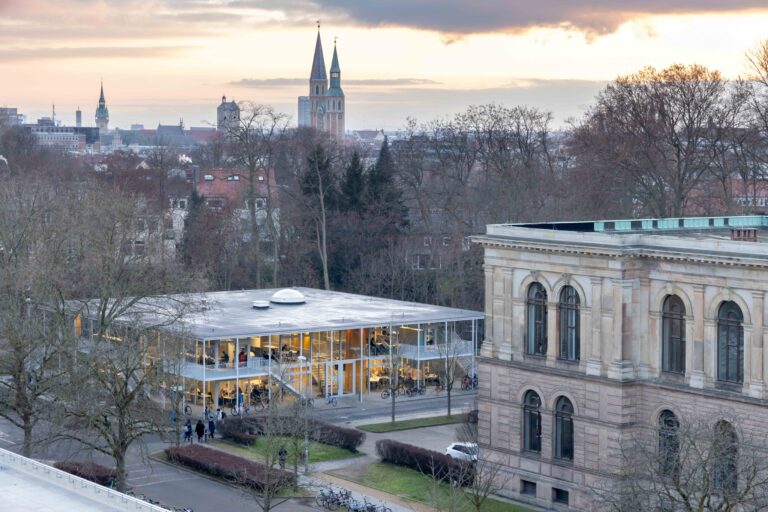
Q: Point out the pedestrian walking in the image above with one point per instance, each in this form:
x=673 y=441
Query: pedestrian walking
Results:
x=188 y=431
x=282 y=455
x=200 y=431
x=211 y=428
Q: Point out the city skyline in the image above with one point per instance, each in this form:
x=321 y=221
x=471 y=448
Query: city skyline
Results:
x=164 y=60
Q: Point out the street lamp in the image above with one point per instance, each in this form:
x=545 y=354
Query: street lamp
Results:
x=302 y=360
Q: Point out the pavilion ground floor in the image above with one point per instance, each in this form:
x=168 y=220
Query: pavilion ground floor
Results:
x=345 y=363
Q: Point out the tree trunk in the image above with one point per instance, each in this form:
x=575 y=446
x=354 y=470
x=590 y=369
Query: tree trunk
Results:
x=392 y=397
x=120 y=480
x=26 y=449
x=448 y=395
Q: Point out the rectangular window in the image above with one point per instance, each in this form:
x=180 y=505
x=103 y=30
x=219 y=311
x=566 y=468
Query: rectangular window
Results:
x=527 y=488
x=560 y=496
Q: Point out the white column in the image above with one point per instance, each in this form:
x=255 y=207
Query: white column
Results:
x=490 y=348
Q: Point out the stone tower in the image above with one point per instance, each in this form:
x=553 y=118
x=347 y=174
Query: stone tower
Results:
x=318 y=84
x=102 y=113
x=325 y=105
x=335 y=100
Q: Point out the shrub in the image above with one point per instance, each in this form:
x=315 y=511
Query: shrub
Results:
x=472 y=417
x=319 y=431
x=431 y=463
x=97 y=473
x=239 y=431
x=328 y=433
x=231 y=467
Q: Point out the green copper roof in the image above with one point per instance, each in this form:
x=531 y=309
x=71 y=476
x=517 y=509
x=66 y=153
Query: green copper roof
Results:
x=101 y=111
x=335 y=62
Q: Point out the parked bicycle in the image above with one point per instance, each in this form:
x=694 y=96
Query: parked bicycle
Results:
x=468 y=383
x=372 y=507
x=414 y=391
x=243 y=409
x=389 y=392
x=332 y=500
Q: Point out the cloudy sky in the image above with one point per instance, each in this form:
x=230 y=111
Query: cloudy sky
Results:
x=162 y=60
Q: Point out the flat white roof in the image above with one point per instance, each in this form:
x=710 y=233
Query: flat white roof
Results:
x=26 y=484
x=231 y=314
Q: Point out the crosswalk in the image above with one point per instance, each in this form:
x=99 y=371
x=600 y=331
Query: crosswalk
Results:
x=154 y=473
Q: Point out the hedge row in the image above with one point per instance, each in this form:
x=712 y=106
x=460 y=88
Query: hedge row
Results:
x=246 y=431
x=431 y=463
x=97 y=473
x=230 y=467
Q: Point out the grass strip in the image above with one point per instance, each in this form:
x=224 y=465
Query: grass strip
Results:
x=415 y=486
x=318 y=452
x=434 y=421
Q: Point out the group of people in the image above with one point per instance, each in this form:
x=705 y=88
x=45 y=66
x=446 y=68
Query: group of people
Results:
x=200 y=428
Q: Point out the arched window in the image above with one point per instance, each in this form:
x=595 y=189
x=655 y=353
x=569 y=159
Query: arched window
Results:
x=669 y=443
x=673 y=335
x=730 y=343
x=317 y=90
x=532 y=422
x=568 y=319
x=564 y=429
x=725 y=453
x=537 y=320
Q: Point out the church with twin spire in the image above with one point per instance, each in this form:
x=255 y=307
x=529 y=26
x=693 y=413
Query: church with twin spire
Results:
x=324 y=108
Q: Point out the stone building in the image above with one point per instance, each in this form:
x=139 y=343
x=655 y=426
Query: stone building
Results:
x=227 y=116
x=595 y=328
x=324 y=108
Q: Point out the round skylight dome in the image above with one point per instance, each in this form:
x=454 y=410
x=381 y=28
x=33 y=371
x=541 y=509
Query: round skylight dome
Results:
x=288 y=296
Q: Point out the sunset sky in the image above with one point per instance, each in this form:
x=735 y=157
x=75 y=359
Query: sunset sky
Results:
x=162 y=60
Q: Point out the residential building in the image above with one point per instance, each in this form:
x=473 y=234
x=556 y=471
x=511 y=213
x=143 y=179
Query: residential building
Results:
x=326 y=102
x=10 y=116
x=594 y=329
x=314 y=343
x=67 y=138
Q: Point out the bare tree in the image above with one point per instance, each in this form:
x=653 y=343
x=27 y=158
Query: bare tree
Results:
x=111 y=375
x=453 y=355
x=655 y=127
x=34 y=332
x=701 y=464
x=253 y=145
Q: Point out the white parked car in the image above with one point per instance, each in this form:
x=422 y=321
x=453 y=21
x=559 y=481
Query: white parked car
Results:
x=462 y=451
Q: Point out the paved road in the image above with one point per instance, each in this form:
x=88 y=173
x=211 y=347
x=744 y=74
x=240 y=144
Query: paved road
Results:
x=177 y=487
x=375 y=409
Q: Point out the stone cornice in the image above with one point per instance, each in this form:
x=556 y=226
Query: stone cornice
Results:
x=628 y=252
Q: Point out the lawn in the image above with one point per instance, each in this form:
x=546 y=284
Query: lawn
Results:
x=318 y=452
x=434 y=421
x=413 y=485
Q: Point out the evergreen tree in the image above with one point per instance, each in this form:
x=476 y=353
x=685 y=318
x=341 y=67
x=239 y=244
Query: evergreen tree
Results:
x=190 y=237
x=353 y=187
x=385 y=200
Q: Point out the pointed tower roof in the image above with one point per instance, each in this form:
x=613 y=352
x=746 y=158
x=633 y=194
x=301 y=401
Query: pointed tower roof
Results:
x=101 y=96
x=335 y=62
x=318 y=62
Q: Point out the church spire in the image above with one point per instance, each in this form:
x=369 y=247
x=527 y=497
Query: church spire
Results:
x=101 y=96
x=335 y=69
x=318 y=62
